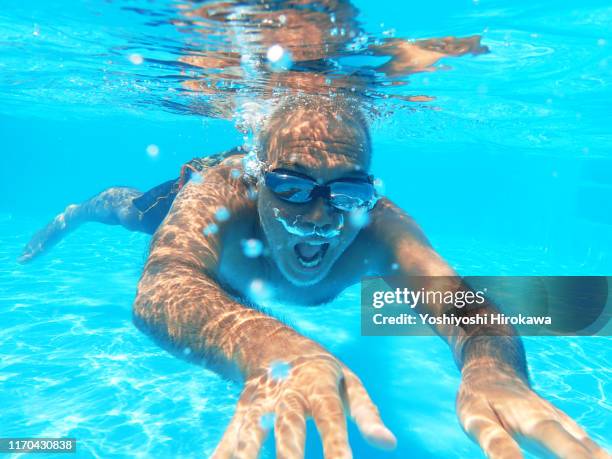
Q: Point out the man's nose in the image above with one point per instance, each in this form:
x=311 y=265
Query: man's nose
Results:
x=323 y=216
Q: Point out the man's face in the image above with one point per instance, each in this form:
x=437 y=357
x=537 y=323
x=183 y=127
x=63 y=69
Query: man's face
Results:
x=306 y=239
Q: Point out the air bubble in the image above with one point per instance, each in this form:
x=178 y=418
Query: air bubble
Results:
x=222 y=214
x=267 y=421
x=258 y=290
x=282 y=19
x=136 y=59
x=359 y=217
x=196 y=178
x=279 y=370
x=379 y=186
x=211 y=229
x=152 y=150
x=275 y=52
x=251 y=248
x=279 y=59
x=235 y=173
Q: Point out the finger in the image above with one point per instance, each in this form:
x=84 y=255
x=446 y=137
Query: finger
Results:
x=365 y=414
x=577 y=432
x=252 y=434
x=228 y=442
x=557 y=440
x=328 y=413
x=290 y=427
x=485 y=428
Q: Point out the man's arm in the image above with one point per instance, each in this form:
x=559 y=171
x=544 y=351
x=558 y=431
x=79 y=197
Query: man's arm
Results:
x=408 y=57
x=421 y=267
x=180 y=303
x=495 y=403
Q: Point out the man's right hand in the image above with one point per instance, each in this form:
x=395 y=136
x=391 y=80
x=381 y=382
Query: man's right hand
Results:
x=286 y=394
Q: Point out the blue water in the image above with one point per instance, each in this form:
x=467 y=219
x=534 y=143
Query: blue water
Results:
x=508 y=171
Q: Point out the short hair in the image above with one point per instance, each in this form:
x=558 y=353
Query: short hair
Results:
x=338 y=109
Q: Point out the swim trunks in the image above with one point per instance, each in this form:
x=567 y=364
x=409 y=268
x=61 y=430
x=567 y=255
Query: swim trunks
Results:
x=153 y=205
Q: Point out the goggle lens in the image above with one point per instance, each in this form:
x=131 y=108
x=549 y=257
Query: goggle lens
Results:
x=345 y=195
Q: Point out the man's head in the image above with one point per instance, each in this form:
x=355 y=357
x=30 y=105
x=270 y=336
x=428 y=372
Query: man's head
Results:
x=307 y=143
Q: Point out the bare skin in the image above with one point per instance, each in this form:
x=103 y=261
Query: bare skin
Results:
x=313 y=34
x=196 y=290
x=307 y=37
x=495 y=402
x=194 y=293
x=111 y=207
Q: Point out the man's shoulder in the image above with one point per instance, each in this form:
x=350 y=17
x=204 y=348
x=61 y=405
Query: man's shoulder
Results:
x=233 y=156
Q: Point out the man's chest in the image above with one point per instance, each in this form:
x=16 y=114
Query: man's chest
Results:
x=249 y=272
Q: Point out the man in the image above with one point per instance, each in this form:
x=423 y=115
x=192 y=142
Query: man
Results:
x=285 y=224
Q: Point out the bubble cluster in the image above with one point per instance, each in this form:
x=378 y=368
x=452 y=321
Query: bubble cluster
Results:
x=251 y=248
x=359 y=43
x=249 y=117
x=252 y=166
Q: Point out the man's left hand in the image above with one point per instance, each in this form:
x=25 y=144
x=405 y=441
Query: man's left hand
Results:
x=497 y=407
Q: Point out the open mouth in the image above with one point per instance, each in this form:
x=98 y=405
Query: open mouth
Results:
x=310 y=254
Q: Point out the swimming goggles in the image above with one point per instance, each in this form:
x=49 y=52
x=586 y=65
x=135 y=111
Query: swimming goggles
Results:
x=344 y=194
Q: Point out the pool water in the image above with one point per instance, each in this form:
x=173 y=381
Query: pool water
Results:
x=74 y=365
x=507 y=169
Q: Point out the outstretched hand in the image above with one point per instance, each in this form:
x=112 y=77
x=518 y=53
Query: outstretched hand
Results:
x=318 y=386
x=409 y=57
x=497 y=408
